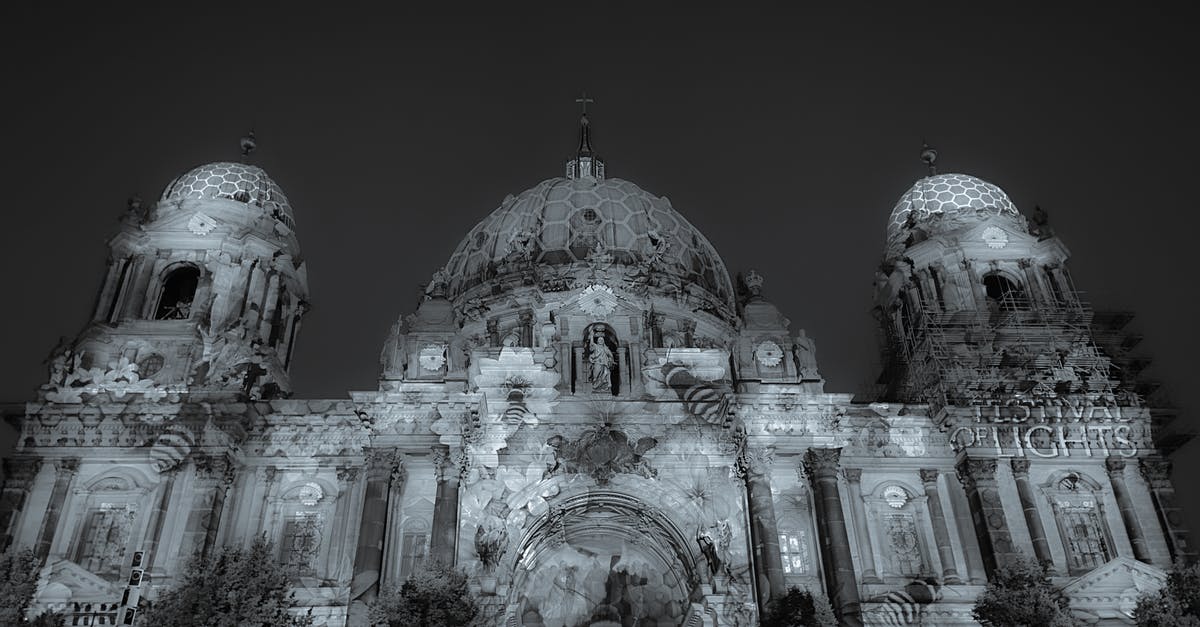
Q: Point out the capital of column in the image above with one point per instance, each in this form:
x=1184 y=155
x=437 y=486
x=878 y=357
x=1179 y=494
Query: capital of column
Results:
x=1156 y=471
x=20 y=471
x=852 y=475
x=347 y=474
x=929 y=476
x=382 y=464
x=1020 y=467
x=67 y=465
x=441 y=455
x=972 y=470
x=210 y=467
x=822 y=463
x=1115 y=467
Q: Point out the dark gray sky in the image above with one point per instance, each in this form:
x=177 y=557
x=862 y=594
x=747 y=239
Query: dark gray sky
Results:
x=786 y=137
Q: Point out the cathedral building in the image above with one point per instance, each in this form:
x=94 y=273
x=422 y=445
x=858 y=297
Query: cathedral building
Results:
x=596 y=421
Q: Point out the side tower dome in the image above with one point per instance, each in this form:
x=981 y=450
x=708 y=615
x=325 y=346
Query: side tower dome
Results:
x=943 y=203
x=204 y=293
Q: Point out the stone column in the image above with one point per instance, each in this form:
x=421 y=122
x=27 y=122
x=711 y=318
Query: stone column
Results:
x=65 y=470
x=445 y=508
x=1033 y=520
x=1031 y=281
x=1116 y=475
x=208 y=500
x=978 y=476
x=158 y=517
x=19 y=473
x=941 y=533
x=866 y=550
x=764 y=528
x=822 y=466
x=1157 y=473
x=368 y=560
x=220 y=497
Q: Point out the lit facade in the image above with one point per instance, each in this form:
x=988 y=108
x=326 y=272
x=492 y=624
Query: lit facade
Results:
x=590 y=416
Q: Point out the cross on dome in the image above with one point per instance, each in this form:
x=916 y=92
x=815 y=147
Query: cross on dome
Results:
x=585 y=165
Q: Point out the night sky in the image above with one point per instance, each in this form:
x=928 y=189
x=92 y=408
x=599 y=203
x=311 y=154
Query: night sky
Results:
x=785 y=137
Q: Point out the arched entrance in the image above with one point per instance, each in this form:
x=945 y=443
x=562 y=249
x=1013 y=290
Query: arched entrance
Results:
x=602 y=559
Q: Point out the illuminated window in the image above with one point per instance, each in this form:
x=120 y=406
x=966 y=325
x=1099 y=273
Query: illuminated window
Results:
x=793 y=548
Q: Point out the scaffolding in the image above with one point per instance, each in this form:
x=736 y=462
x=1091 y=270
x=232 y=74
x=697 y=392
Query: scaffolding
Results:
x=1016 y=351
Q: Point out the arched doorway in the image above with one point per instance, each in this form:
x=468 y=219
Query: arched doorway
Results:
x=602 y=559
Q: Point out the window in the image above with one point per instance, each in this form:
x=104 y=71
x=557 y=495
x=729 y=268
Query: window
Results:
x=302 y=542
x=1001 y=289
x=178 y=290
x=412 y=552
x=793 y=547
x=104 y=539
x=904 y=547
x=1076 y=503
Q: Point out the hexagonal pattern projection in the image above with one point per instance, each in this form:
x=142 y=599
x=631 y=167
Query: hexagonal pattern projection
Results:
x=944 y=201
x=560 y=221
x=235 y=181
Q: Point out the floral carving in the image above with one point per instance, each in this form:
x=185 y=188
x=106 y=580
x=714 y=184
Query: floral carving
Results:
x=601 y=453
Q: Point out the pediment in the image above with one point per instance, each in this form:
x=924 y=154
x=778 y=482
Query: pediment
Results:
x=83 y=584
x=1115 y=577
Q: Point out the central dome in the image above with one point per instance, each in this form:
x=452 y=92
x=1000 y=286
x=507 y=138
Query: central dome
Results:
x=560 y=222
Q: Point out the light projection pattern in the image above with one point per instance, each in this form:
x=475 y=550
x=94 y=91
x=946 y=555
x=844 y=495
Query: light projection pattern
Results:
x=948 y=198
x=559 y=221
x=234 y=181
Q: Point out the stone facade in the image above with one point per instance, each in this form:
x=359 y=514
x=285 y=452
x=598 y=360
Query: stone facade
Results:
x=589 y=416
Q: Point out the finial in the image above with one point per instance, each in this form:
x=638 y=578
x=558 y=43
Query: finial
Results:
x=585 y=165
x=248 y=144
x=583 y=100
x=929 y=156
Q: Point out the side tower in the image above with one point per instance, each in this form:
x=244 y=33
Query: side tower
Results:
x=1055 y=446
x=204 y=292
x=127 y=456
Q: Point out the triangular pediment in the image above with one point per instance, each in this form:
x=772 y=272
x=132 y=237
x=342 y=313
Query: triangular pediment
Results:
x=1116 y=576
x=84 y=585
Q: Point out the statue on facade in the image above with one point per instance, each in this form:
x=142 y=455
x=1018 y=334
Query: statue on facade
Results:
x=600 y=361
x=437 y=284
x=521 y=246
x=805 y=352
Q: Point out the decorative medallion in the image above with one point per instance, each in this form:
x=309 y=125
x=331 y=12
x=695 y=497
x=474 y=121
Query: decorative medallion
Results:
x=310 y=494
x=201 y=224
x=895 y=496
x=995 y=237
x=598 y=300
x=433 y=357
x=768 y=353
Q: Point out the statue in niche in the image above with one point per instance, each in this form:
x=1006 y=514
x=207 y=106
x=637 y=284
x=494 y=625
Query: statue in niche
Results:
x=600 y=361
x=805 y=351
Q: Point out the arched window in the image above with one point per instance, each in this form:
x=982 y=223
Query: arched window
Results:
x=304 y=511
x=1002 y=289
x=178 y=291
x=1075 y=499
x=106 y=529
x=900 y=526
